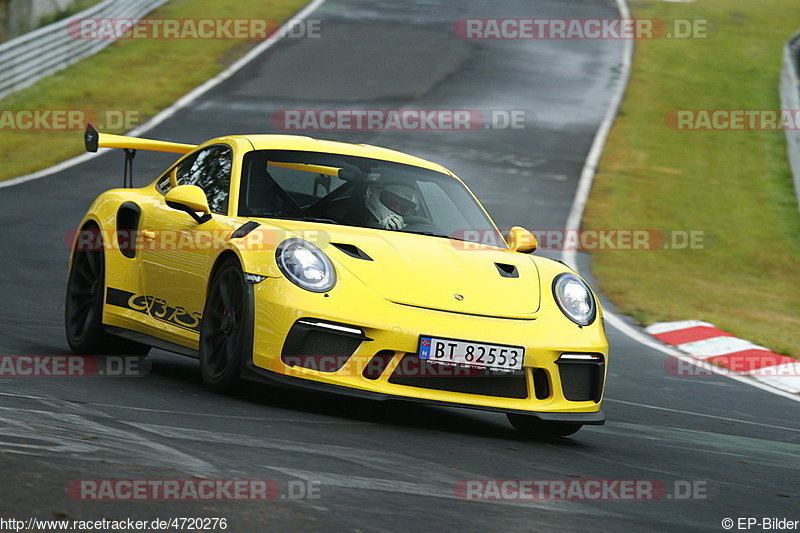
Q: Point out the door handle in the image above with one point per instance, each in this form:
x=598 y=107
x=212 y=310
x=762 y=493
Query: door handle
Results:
x=148 y=235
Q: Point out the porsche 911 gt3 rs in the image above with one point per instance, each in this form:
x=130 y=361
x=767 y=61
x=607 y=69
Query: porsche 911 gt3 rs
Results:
x=343 y=268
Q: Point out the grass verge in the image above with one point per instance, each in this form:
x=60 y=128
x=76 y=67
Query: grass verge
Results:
x=735 y=186
x=136 y=77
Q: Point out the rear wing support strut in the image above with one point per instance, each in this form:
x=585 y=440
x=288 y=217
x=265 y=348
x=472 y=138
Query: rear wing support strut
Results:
x=93 y=140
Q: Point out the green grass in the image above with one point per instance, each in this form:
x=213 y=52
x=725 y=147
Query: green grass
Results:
x=734 y=186
x=139 y=76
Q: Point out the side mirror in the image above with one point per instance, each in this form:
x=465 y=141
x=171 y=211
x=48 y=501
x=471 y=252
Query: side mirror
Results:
x=190 y=199
x=521 y=240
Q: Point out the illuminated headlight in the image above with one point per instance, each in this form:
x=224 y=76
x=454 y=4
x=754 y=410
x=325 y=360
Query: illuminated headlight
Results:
x=305 y=265
x=574 y=298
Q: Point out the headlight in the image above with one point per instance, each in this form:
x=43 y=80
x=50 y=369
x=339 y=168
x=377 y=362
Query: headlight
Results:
x=574 y=298
x=305 y=265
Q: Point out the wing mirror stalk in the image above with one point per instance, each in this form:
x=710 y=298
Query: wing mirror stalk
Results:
x=191 y=200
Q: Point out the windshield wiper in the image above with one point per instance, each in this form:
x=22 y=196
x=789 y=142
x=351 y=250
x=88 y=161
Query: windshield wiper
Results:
x=434 y=234
x=428 y=233
x=319 y=219
x=300 y=218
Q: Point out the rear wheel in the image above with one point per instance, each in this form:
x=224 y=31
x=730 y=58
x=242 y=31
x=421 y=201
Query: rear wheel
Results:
x=83 y=315
x=222 y=331
x=530 y=426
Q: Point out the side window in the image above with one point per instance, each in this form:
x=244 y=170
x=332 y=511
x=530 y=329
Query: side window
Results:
x=163 y=184
x=211 y=171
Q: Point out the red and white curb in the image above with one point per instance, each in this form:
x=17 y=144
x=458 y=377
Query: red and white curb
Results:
x=702 y=341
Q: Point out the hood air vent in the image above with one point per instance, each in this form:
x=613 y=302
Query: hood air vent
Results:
x=507 y=271
x=352 y=250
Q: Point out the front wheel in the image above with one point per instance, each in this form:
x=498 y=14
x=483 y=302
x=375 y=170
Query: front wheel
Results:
x=222 y=330
x=530 y=426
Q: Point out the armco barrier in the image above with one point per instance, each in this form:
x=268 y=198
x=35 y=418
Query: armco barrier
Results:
x=790 y=99
x=44 y=51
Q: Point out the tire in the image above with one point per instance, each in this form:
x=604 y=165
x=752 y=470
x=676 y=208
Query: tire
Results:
x=532 y=427
x=223 y=328
x=83 y=309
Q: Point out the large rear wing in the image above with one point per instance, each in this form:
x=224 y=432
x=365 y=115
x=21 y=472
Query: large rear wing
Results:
x=94 y=140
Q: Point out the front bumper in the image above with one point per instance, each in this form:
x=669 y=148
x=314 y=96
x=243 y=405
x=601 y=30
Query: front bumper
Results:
x=391 y=331
x=260 y=375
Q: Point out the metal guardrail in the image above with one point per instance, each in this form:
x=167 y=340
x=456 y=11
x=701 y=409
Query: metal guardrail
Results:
x=44 y=51
x=790 y=99
x=18 y=17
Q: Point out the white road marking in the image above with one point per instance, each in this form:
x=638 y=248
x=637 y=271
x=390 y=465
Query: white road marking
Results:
x=665 y=327
x=785 y=376
x=781 y=375
x=192 y=413
x=66 y=433
x=642 y=338
x=718 y=346
x=439 y=478
x=184 y=101
x=575 y=216
x=390 y=462
x=704 y=415
x=442 y=488
x=596 y=151
x=226 y=416
x=28 y=397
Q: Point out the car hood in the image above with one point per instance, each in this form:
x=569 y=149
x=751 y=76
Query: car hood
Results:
x=438 y=273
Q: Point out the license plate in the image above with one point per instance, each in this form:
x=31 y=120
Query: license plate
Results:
x=477 y=354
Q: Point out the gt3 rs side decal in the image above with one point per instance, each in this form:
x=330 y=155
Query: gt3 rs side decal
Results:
x=156 y=307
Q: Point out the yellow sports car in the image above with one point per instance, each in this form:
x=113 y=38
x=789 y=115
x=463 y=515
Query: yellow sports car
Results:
x=342 y=268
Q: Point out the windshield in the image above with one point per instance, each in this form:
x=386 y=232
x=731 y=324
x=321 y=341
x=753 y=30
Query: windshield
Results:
x=356 y=191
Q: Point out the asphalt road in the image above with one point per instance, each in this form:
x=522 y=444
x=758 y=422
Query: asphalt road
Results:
x=379 y=467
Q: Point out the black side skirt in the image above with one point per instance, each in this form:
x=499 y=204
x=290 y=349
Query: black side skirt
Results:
x=149 y=340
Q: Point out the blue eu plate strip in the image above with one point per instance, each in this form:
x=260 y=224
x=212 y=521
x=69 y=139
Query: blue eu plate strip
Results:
x=425 y=348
